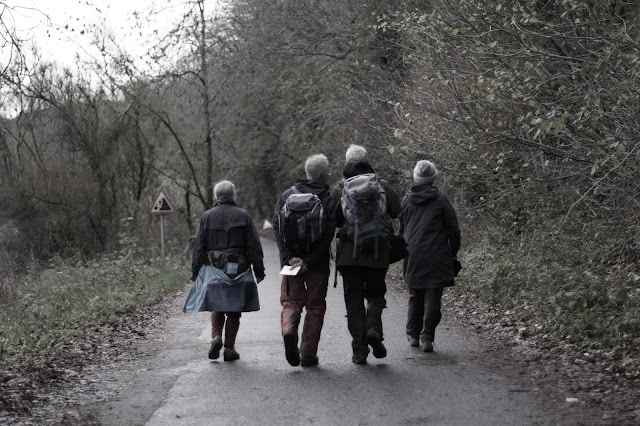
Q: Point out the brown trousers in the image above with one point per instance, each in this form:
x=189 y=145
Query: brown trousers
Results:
x=309 y=291
x=230 y=328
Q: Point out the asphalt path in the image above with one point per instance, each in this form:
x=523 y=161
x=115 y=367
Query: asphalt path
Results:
x=176 y=384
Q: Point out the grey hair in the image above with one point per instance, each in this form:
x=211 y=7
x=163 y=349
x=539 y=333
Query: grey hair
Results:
x=224 y=189
x=425 y=172
x=356 y=153
x=315 y=165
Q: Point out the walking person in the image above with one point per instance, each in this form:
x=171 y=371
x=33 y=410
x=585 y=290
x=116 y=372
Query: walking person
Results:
x=429 y=225
x=367 y=205
x=304 y=225
x=226 y=246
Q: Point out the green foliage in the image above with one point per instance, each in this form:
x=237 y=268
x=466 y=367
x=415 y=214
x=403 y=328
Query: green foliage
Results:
x=526 y=104
x=543 y=280
x=49 y=308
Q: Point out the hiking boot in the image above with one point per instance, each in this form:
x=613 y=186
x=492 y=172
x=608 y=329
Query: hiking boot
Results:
x=230 y=354
x=291 y=351
x=413 y=341
x=374 y=340
x=216 y=345
x=426 y=345
x=360 y=359
x=308 y=360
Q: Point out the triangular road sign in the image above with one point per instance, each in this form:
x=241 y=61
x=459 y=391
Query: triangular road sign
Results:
x=162 y=205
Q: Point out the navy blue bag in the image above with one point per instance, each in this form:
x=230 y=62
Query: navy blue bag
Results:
x=213 y=290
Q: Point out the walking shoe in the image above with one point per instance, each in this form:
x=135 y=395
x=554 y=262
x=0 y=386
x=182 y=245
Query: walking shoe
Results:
x=359 y=359
x=216 y=345
x=426 y=345
x=374 y=340
x=308 y=360
x=413 y=341
x=230 y=354
x=291 y=351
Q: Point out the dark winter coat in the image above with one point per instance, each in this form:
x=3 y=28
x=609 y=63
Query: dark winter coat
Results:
x=344 y=255
x=430 y=228
x=318 y=257
x=227 y=226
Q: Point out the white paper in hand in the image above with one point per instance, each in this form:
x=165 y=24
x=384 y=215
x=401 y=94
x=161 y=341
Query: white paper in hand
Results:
x=290 y=270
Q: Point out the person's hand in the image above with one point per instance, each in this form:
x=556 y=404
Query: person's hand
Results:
x=259 y=279
x=297 y=261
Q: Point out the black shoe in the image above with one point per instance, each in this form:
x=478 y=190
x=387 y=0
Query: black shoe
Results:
x=426 y=345
x=291 y=351
x=230 y=354
x=413 y=341
x=374 y=340
x=308 y=360
x=216 y=345
x=359 y=359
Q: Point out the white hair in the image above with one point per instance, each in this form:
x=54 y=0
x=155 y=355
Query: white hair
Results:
x=356 y=153
x=315 y=165
x=425 y=172
x=224 y=189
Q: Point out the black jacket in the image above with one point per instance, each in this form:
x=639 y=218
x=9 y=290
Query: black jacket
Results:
x=318 y=257
x=430 y=227
x=227 y=226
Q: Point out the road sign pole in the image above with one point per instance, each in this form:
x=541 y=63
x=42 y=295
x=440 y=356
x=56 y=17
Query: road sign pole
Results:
x=162 y=207
x=162 y=235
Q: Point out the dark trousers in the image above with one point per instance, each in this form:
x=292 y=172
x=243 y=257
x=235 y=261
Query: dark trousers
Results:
x=230 y=326
x=424 y=312
x=360 y=284
x=309 y=291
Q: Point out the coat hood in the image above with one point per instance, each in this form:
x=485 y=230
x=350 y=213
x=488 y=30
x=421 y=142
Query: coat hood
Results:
x=311 y=186
x=422 y=193
x=355 y=169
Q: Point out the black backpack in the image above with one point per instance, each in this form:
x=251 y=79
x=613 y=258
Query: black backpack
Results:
x=301 y=220
x=364 y=205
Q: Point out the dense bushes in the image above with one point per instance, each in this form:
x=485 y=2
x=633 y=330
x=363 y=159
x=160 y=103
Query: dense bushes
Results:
x=556 y=283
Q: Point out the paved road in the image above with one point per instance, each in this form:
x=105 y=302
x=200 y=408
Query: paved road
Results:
x=176 y=384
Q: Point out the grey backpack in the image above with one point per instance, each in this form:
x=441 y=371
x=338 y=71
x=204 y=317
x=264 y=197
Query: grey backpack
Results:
x=364 y=206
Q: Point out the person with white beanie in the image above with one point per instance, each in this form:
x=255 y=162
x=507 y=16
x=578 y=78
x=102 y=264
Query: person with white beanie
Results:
x=429 y=225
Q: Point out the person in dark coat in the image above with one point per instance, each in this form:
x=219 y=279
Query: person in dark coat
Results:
x=228 y=240
x=429 y=225
x=307 y=289
x=364 y=274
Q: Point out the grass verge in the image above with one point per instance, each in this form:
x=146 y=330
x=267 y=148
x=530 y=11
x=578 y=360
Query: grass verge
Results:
x=45 y=310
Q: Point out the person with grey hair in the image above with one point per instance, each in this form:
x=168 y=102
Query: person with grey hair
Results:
x=429 y=225
x=304 y=225
x=356 y=153
x=364 y=268
x=226 y=246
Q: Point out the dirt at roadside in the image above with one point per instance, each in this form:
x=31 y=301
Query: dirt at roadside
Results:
x=54 y=389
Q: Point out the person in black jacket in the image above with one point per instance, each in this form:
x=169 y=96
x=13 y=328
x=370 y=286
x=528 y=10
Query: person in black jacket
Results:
x=307 y=289
x=363 y=275
x=227 y=234
x=429 y=225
